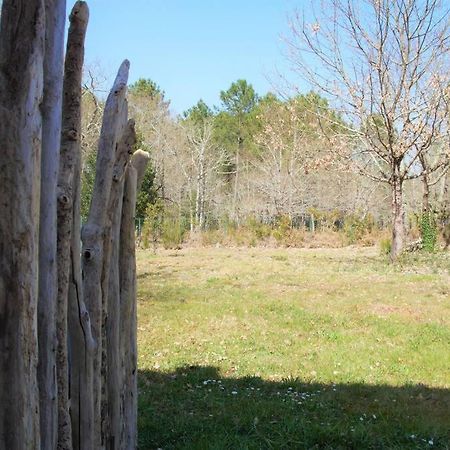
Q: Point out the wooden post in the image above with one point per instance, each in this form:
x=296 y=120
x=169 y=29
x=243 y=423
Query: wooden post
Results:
x=77 y=306
x=21 y=90
x=55 y=11
x=93 y=231
x=69 y=176
x=114 y=379
x=128 y=307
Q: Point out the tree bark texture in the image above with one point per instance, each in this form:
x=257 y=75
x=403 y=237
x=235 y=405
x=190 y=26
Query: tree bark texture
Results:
x=69 y=161
x=21 y=90
x=398 y=218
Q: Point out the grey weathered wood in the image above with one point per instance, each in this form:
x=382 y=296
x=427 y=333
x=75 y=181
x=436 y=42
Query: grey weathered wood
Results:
x=93 y=231
x=128 y=353
x=21 y=88
x=120 y=159
x=114 y=378
x=81 y=341
x=69 y=162
x=55 y=11
x=128 y=307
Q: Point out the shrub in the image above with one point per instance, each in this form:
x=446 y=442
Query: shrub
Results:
x=356 y=227
x=385 y=246
x=282 y=230
x=172 y=233
x=428 y=231
x=258 y=229
x=153 y=225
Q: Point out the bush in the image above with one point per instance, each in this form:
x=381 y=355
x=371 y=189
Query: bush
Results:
x=152 y=229
x=172 y=234
x=282 y=230
x=385 y=246
x=356 y=227
x=258 y=229
x=428 y=231
x=162 y=224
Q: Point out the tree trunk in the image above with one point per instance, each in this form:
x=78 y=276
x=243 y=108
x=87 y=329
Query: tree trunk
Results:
x=236 y=182
x=55 y=11
x=425 y=185
x=444 y=197
x=69 y=161
x=21 y=89
x=398 y=218
x=128 y=308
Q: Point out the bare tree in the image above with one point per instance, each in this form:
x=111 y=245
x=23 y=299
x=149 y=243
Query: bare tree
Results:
x=384 y=65
x=205 y=159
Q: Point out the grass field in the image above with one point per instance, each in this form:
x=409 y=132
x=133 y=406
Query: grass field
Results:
x=293 y=349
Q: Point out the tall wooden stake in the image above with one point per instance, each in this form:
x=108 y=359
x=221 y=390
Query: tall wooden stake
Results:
x=21 y=90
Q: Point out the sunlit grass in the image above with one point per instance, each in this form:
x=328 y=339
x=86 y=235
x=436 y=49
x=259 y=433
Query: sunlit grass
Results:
x=373 y=338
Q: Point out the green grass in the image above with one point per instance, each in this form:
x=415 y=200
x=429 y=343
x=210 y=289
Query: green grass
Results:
x=294 y=349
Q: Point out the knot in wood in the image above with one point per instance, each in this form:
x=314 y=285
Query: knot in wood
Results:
x=64 y=200
x=72 y=134
x=88 y=254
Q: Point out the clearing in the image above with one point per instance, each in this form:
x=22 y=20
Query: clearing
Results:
x=293 y=348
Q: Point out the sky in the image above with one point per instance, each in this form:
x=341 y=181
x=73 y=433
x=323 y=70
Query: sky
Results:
x=191 y=48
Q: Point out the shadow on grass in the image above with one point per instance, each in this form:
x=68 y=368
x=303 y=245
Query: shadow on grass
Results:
x=198 y=408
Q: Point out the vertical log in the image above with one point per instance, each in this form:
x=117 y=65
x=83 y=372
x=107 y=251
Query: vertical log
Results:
x=114 y=379
x=22 y=34
x=81 y=342
x=121 y=158
x=93 y=231
x=128 y=307
x=55 y=11
x=66 y=195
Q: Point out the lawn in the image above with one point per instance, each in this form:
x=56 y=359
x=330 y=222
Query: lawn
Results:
x=293 y=349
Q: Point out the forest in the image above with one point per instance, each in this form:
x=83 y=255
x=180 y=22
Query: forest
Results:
x=268 y=169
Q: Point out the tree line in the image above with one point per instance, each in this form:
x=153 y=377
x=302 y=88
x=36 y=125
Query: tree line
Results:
x=262 y=158
x=371 y=137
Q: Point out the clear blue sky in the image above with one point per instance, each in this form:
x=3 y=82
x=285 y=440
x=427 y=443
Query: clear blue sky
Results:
x=192 y=48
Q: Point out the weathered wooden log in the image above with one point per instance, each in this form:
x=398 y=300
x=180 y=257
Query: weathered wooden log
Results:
x=22 y=34
x=128 y=307
x=81 y=341
x=55 y=11
x=69 y=161
x=121 y=158
x=93 y=231
x=114 y=379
